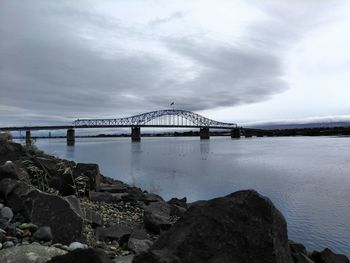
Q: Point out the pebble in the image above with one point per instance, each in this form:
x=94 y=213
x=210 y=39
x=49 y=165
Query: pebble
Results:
x=0 y=246
x=1 y=206
x=76 y=245
x=8 y=244
x=6 y=213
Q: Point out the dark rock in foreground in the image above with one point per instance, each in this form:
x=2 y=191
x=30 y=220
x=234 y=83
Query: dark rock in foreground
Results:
x=43 y=209
x=8 y=170
x=241 y=227
x=89 y=255
x=157 y=217
x=328 y=256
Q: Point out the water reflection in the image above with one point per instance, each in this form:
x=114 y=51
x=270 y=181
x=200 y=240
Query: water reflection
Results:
x=307 y=178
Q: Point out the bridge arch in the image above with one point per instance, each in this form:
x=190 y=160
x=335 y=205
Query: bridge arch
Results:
x=181 y=118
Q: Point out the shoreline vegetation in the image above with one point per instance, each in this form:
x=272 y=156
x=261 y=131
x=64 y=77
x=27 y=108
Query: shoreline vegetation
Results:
x=55 y=210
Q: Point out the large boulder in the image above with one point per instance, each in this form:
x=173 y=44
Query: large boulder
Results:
x=241 y=227
x=29 y=254
x=157 y=217
x=43 y=209
x=118 y=232
x=89 y=255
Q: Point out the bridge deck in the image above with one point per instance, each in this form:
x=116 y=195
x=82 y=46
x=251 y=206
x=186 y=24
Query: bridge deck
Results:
x=64 y=127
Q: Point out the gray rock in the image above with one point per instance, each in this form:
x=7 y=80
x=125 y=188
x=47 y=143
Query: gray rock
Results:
x=8 y=244
x=105 y=197
x=8 y=170
x=178 y=202
x=74 y=204
x=297 y=247
x=77 y=245
x=241 y=227
x=61 y=246
x=139 y=233
x=44 y=233
x=176 y=210
x=133 y=195
x=151 y=197
x=43 y=209
x=124 y=259
x=6 y=213
x=115 y=187
x=0 y=245
x=29 y=254
x=138 y=246
x=157 y=217
x=89 y=255
x=119 y=232
x=301 y=258
x=1 y=206
x=10 y=151
x=328 y=256
x=93 y=218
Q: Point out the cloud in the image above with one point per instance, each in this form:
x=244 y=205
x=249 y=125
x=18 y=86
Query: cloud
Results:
x=159 y=21
x=65 y=60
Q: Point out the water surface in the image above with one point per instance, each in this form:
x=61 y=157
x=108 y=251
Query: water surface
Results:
x=307 y=178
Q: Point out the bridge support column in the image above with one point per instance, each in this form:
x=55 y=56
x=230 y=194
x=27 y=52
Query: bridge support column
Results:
x=135 y=134
x=28 y=138
x=70 y=137
x=236 y=133
x=204 y=133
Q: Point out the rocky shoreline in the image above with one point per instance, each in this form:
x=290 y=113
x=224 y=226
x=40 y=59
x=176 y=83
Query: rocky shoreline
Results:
x=54 y=210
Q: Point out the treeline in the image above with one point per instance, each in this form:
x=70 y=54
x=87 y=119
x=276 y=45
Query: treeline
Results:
x=328 y=131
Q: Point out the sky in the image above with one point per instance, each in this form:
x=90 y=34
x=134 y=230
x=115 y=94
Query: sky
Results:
x=241 y=61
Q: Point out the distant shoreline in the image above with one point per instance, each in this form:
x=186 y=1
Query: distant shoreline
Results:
x=246 y=132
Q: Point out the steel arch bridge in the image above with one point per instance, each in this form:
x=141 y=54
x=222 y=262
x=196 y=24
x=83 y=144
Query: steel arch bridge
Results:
x=160 y=118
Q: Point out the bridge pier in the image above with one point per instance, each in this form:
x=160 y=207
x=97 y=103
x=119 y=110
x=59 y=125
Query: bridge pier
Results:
x=204 y=133
x=135 y=134
x=28 y=138
x=236 y=133
x=70 y=137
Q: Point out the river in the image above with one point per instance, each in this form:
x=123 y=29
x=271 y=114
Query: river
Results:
x=307 y=178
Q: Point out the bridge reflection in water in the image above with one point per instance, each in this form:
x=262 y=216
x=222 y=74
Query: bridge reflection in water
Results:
x=170 y=118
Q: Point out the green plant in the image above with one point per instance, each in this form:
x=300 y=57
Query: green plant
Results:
x=81 y=185
x=38 y=177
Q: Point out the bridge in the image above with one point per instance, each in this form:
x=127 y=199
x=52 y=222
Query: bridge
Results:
x=170 y=118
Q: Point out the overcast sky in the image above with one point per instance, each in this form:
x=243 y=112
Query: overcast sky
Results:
x=240 y=61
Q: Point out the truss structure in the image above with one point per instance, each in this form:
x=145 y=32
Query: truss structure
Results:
x=161 y=118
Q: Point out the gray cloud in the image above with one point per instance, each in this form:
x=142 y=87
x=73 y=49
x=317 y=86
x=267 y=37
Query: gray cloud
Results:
x=49 y=71
x=159 y=21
